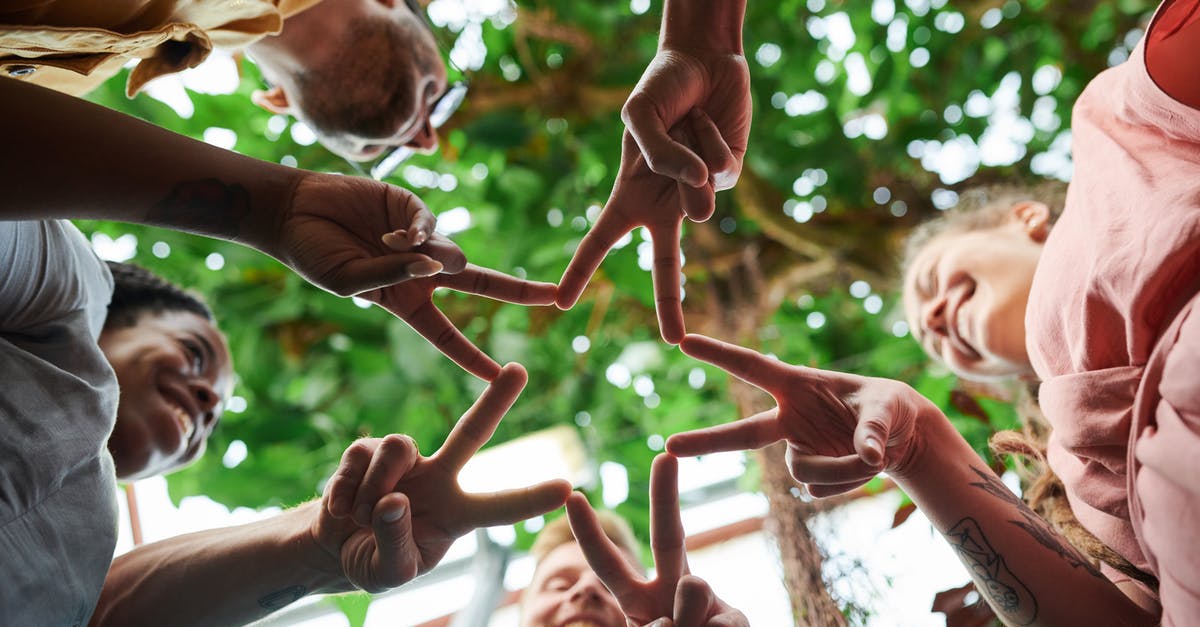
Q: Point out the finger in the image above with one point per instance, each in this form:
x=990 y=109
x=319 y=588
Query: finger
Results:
x=723 y=166
x=509 y=506
x=875 y=428
x=753 y=367
x=342 y=487
x=667 y=288
x=434 y=326
x=608 y=562
x=407 y=211
x=609 y=228
x=361 y=275
x=698 y=203
x=826 y=470
x=396 y=558
x=749 y=433
x=693 y=602
x=438 y=248
x=499 y=286
x=393 y=458
x=666 y=528
x=824 y=491
x=479 y=422
x=663 y=154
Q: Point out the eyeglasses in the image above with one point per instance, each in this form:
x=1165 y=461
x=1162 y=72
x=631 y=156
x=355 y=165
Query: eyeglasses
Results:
x=444 y=107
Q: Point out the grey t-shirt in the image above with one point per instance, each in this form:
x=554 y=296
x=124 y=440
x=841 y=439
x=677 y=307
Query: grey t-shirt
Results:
x=58 y=401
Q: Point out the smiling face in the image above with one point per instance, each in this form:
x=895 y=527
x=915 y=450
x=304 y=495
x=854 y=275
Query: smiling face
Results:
x=566 y=593
x=965 y=294
x=175 y=372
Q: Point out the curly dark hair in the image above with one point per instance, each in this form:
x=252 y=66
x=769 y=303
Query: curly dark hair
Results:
x=137 y=290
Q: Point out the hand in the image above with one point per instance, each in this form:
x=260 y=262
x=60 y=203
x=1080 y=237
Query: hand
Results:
x=643 y=198
x=841 y=429
x=684 y=77
x=673 y=593
x=333 y=235
x=350 y=236
x=389 y=514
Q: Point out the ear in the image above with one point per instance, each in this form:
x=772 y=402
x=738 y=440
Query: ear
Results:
x=1034 y=217
x=274 y=100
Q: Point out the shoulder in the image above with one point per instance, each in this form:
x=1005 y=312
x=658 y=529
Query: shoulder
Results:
x=50 y=271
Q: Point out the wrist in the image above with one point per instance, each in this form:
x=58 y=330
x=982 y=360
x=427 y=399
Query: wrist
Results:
x=271 y=207
x=713 y=25
x=933 y=438
x=319 y=569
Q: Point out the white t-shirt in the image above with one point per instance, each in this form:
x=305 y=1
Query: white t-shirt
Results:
x=58 y=401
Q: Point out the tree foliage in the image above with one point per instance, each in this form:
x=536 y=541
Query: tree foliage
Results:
x=826 y=194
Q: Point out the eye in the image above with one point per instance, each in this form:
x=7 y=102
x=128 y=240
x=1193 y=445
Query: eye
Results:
x=195 y=353
x=558 y=584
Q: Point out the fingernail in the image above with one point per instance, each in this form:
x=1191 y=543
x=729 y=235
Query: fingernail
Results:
x=696 y=177
x=421 y=236
x=424 y=268
x=363 y=513
x=393 y=515
x=658 y=622
x=396 y=240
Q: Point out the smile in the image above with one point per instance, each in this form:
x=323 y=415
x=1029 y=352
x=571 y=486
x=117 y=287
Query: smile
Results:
x=185 y=422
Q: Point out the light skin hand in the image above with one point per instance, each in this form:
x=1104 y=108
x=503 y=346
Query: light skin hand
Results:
x=643 y=198
x=673 y=593
x=841 y=429
x=390 y=514
x=699 y=66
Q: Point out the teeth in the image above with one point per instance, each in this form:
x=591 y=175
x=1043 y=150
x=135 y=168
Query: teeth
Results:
x=184 y=421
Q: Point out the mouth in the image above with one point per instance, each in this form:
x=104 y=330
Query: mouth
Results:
x=955 y=329
x=581 y=622
x=180 y=414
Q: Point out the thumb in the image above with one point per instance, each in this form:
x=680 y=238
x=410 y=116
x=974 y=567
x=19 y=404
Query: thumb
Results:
x=396 y=558
x=872 y=434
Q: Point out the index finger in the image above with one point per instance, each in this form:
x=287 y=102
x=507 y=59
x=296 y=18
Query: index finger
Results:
x=666 y=528
x=667 y=288
x=663 y=154
x=591 y=253
x=478 y=424
x=510 y=506
x=754 y=432
x=434 y=326
x=608 y=562
x=499 y=286
x=750 y=366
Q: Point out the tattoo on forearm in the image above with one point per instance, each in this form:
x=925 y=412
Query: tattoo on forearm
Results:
x=1008 y=595
x=282 y=598
x=1034 y=525
x=207 y=205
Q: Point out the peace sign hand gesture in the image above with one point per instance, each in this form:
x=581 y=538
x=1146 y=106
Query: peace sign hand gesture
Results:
x=643 y=198
x=673 y=594
x=841 y=429
x=390 y=514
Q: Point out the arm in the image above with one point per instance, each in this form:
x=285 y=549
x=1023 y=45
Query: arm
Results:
x=347 y=235
x=388 y=515
x=842 y=430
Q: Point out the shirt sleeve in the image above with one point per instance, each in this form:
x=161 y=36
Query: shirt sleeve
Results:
x=50 y=271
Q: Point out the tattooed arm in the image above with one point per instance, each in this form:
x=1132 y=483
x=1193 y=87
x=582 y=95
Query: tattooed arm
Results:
x=68 y=158
x=844 y=429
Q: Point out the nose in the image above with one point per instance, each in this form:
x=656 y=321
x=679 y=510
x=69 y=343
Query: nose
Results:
x=934 y=320
x=588 y=590
x=426 y=138
x=207 y=400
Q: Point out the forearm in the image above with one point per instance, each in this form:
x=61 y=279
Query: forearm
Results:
x=713 y=24
x=225 y=576
x=73 y=159
x=1028 y=573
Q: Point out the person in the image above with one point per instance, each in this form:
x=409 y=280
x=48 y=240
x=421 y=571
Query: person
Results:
x=588 y=569
x=687 y=123
x=347 y=235
x=173 y=368
x=843 y=429
x=1107 y=328
x=364 y=74
x=58 y=515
